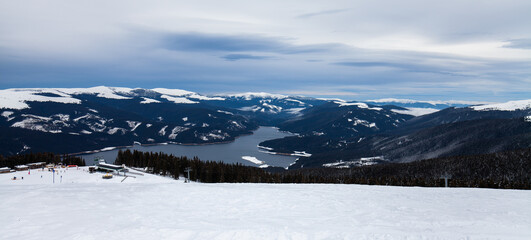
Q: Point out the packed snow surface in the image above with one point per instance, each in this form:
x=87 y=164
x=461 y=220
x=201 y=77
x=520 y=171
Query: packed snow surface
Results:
x=85 y=206
x=507 y=106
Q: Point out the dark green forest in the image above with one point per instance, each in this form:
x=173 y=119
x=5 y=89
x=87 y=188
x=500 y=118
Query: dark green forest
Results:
x=509 y=170
x=12 y=161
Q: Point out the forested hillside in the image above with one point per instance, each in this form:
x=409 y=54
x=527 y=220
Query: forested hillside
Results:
x=510 y=169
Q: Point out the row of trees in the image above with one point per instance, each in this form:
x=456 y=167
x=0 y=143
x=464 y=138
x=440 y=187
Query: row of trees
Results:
x=498 y=170
x=203 y=171
x=510 y=169
x=21 y=159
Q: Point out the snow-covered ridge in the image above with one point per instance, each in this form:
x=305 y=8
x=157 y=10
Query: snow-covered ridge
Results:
x=251 y=95
x=416 y=111
x=178 y=99
x=449 y=102
x=149 y=100
x=358 y=104
x=507 y=106
x=100 y=91
x=184 y=93
x=17 y=98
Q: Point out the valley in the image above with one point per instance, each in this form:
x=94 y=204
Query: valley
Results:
x=64 y=120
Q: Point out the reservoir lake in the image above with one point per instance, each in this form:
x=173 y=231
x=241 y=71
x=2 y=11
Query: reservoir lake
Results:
x=243 y=150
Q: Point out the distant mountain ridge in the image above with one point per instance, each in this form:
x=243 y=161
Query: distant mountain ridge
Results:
x=66 y=120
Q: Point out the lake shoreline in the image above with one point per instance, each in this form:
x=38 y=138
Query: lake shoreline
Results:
x=105 y=149
x=226 y=151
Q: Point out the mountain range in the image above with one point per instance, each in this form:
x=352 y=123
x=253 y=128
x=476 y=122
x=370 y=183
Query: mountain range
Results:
x=337 y=133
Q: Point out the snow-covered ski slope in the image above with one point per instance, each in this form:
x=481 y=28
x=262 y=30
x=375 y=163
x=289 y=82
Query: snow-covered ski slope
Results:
x=84 y=206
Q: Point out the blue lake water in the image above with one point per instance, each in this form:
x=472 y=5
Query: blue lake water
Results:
x=226 y=152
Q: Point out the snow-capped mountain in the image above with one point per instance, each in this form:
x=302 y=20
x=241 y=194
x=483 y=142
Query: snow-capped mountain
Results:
x=507 y=106
x=345 y=119
x=93 y=118
x=266 y=103
x=437 y=105
x=66 y=120
x=451 y=131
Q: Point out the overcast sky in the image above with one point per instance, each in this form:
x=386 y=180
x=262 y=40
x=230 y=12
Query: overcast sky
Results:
x=356 y=50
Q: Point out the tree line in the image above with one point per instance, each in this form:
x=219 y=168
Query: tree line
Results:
x=21 y=159
x=511 y=169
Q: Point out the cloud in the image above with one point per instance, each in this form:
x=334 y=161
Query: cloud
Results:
x=372 y=48
x=235 y=57
x=523 y=43
x=374 y=64
x=203 y=42
x=319 y=13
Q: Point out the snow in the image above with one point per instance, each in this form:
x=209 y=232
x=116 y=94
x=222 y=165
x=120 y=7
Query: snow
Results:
x=527 y=118
x=84 y=116
x=449 y=102
x=149 y=100
x=507 y=106
x=253 y=160
x=100 y=91
x=85 y=206
x=301 y=154
x=253 y=108
x=372 y=158
x=107 y=149
x=133 y=125
x=358 y=104
x=296 y=101
x=416 y=111
x=294 y=111
x=162 y=131
x=265 y=148
x=251 y=95
x=361 y=122
x=36 y=123
x=185 y=119
x=175 y=131
x=17 y=98
x=114 y=130
x=173 y=92
x=228 y=113
x=184 y=93
x=205 y=98
x=7 y=114
x=178 y=99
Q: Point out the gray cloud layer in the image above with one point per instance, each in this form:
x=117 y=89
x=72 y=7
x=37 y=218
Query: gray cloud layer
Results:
x=466 y=50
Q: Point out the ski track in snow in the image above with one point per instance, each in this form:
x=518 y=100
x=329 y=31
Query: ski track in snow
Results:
x=84 y=206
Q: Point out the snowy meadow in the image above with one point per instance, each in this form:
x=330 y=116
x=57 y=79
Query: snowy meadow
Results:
x=85 y=206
